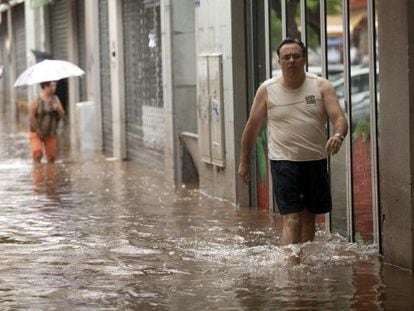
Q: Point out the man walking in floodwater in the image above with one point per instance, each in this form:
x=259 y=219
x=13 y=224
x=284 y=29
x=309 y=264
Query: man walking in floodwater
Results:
x=297 y=106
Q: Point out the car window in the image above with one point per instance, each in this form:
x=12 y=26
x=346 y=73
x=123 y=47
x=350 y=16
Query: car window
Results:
x=340 y=91
x=365 y=82
x=359 y=83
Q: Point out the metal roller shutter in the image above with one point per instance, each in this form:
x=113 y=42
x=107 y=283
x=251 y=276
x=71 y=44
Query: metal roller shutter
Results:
x=59 y=23
x=20 y=49
x=80 y=14
x=105 y=73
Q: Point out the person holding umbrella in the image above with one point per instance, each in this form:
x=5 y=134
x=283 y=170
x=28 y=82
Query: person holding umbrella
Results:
x=45 y=111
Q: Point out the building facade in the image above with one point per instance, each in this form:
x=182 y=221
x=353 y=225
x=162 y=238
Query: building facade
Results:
x=172 y=83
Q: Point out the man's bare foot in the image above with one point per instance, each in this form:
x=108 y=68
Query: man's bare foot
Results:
x=293 y=254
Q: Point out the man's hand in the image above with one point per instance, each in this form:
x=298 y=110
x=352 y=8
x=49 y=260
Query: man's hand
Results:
x=244 y=171
x=333 y=145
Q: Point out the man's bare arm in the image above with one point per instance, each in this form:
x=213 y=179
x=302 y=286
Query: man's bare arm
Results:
x=336 y=116
x=257 y=115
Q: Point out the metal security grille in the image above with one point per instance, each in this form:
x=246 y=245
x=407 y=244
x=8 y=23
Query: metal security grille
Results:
x=152 y=53
x=20 y=48
x=143 y=83
x=105 y=73
x=80 y=15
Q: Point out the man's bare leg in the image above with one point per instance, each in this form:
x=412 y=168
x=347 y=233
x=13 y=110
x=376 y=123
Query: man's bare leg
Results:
x=292 y=224
x=308 y=226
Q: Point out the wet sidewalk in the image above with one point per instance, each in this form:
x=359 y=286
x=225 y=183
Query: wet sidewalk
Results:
x=90 y=233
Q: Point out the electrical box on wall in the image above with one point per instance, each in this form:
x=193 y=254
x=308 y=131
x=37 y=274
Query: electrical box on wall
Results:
x=203 y=109
x=211 y=109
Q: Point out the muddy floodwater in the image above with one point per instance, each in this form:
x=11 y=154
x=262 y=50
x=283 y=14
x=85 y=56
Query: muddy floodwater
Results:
x=94 y=233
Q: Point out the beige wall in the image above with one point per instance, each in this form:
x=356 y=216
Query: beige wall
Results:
x=220 y=29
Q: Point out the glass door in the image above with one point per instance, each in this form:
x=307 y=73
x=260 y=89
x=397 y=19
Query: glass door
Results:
x=340 y=36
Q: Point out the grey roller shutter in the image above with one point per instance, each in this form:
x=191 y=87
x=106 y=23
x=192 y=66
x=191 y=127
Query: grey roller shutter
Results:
x=59 y=24
x=80 y=14
x=20 y=49
x=105 y=73
x=59 y=32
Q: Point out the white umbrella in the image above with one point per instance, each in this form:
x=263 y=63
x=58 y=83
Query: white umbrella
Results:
x=48 y=70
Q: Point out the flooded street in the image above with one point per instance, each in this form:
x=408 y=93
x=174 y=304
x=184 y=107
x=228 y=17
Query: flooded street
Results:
x=91 y=233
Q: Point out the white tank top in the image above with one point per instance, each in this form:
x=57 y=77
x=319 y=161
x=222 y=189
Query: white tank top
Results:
x=296 y=121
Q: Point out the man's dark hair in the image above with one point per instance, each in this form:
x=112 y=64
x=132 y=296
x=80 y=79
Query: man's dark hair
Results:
x=289 y=41
x=44 y=84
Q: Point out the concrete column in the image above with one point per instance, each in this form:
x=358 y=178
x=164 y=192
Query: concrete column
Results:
x=35 y=39
x=31 y=30
x=93 y=83
x=167 y=81
x=179 y=80
x=73 y=83
x=12 y=67
x=117 y=78
x=220 y=29
x=396 y=138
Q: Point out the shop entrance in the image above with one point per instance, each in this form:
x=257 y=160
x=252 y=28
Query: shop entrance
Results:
x=340 y=36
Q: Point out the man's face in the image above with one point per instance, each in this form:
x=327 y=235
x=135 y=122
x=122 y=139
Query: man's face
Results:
x=291 y=60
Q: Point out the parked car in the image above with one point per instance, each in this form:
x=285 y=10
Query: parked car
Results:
x=359 y=84
x=360 y=96
x=334 y=71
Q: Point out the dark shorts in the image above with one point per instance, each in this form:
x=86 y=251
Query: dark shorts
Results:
x=301 y=185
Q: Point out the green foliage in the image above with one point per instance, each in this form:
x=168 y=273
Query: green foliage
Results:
x=261 y=146
x=358 y=238
x=362 y=130
x=275 y=30
x=333 y=7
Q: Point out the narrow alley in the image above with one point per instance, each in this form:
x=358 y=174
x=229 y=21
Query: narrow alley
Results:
x=92 y=233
